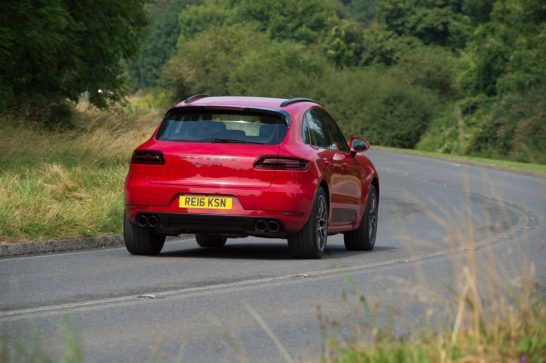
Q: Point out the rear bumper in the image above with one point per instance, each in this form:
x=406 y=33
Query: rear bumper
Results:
x=177 y=223
x=289 y=205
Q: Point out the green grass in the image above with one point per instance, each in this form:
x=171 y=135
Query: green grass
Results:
x=67 y=183
x=519 y=336
x=474 y=160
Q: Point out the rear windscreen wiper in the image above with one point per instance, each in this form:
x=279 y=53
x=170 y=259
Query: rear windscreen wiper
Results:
x=233 y=141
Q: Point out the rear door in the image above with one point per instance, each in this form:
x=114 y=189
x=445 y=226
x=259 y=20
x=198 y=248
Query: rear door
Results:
x=346 y=184
x=315 y=134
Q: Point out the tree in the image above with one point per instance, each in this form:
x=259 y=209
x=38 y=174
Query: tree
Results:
x=438 y=22
x=160 y=41
x=505 y=64
x=241 y=60
x=365 y=11
x=51 y=50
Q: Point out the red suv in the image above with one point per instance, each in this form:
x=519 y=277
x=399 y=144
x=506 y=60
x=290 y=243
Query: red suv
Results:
x=224 y=167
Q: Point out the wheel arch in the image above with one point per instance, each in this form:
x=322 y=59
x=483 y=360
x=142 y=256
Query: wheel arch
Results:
x=323 y=184
x=375 y=183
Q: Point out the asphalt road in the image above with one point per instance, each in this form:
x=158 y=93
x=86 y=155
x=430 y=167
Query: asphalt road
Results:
x=252 y=302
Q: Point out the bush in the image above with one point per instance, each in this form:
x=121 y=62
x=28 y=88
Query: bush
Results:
x=515 y=127
x=240 y=60
x=381 y=106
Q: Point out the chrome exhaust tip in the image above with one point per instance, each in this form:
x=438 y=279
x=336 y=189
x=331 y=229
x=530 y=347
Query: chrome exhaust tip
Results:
x=153 y=221
x=142 y=220
x=260 y=226
x=274 y=226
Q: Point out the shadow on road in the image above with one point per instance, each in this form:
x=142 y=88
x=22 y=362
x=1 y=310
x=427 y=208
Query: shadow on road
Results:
x=263 y=251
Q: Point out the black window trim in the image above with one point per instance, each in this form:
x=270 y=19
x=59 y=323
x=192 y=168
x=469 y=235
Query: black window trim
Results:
x=338 y=128
x=317 y=107
x=309 y=135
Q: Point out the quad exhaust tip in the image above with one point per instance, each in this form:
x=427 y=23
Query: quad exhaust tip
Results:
x=274 y=226
x=153 y=221
x=147 y=221
x=262 y=226
x=142 y=220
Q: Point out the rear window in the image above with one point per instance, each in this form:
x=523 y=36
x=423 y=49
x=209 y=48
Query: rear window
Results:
x=222 y=126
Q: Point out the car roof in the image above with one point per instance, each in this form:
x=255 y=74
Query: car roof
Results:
x=239 y=101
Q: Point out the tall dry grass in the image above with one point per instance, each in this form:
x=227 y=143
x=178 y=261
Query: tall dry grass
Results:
x=492 y=311
x=68 y=182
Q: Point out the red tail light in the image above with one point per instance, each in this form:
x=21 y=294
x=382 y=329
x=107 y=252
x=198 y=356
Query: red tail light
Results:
x=280 y=163
x=147 y=157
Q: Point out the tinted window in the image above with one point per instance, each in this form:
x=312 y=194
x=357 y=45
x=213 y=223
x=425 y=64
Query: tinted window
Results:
x=222 y=126
x=305 y=130
x=337 y=140
x=313 y=132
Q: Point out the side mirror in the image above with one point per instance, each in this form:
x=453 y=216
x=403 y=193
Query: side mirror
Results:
x=357 y=145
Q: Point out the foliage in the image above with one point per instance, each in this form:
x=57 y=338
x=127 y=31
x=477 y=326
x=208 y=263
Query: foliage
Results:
x=54 y=50
x=307 y=22
x=201 y=17
x=365 y=11
x=439 y=22
x=519 y=337
x=502 y=79
x=383 y=106
x=303 y=21
x=241 y=60
x=217 y=56
x=159 y=43
x=460 y=76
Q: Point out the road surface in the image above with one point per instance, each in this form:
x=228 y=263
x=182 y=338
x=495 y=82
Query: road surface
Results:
x=252 y=302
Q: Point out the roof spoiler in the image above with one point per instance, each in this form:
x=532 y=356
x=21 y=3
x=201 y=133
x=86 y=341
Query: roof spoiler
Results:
x=194 y=98
x=296 y=100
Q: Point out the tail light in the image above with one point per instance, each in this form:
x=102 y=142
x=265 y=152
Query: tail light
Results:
x=280 y=163
x=147 y=157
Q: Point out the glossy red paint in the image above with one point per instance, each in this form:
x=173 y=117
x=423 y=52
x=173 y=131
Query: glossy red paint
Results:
x=221 y=169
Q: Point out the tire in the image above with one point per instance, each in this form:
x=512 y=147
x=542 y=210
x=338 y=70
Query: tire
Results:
x=363 y=239
x=141 y=240
x=310 y=242
x=209 y=240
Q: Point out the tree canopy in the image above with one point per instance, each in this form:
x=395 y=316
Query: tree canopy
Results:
x=52 y=50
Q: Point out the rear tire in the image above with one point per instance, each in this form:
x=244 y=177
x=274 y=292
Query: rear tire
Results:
x=209 y=240
x=141 y=240
x=363 y=239
x=310 y=242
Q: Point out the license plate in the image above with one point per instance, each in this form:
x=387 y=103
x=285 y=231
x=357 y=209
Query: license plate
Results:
x=204 y=202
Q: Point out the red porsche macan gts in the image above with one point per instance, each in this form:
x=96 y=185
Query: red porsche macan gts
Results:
x=224 y=167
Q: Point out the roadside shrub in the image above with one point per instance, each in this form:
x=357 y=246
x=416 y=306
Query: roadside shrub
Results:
x=240 y=60
x=379 y=105
x=515 y=126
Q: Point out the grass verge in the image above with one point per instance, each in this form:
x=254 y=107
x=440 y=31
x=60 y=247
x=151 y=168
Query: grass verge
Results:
x=516 y=335
x=68 y=182
x=539 y=169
